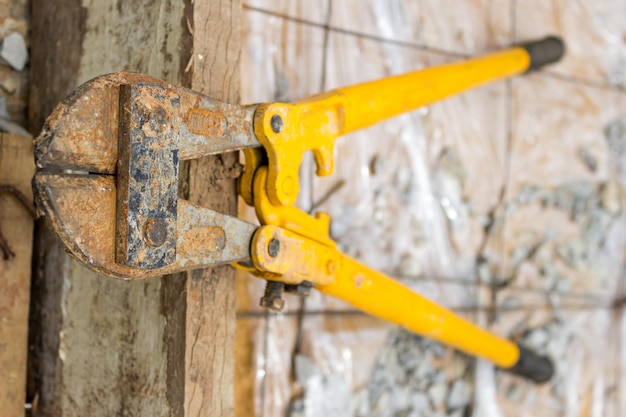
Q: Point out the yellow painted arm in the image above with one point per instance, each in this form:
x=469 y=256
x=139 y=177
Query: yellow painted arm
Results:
x=375 y=293
x=294 y=259
x=289 y=130
x=290 y=258
x=366 y=104
x=287 y=251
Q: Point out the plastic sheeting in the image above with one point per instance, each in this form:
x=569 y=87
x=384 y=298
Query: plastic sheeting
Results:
x=505 y=204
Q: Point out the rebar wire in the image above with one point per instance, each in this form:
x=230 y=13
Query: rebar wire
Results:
x=504 y=192
x=572 y=79
x=458 y=309
x=28 y=205
x=266 y=334
x=494 y=285
x=429 y=49
x=329 y=194
x=330 y=28
x=329 y=5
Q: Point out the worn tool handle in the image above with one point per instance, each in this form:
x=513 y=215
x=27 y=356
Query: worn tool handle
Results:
x=383 y=297
x=544 y=52
x=532 y=366
x=288 y=131
x=308 y=254
x=371 y=102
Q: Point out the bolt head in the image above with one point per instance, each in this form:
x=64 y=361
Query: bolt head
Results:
x=155 y=232
x=288 y=185
x=331 y=267
x=276 y=122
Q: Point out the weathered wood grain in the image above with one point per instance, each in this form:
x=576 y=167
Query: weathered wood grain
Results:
x=103 y=347
x=16 y=223
x=159 y=347
x=210 y=332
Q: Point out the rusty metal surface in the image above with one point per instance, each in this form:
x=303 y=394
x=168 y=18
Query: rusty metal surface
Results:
x=81 y=133
x=210 y=126
x=81 y=210
x=108 y=176
x=147 y=177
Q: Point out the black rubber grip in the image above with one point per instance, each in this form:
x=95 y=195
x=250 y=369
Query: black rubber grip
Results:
x=544 y=52
x=532 y=366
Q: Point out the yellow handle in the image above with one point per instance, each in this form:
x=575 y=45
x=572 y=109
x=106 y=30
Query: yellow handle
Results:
x=295 y=258
x=369 y=103
x=383 y=297
x=288 y=131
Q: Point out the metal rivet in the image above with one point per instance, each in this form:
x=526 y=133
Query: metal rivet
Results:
x=277 y=123
x=155 y=232
x=273 y=248
x=288 y=185
x=330 y=267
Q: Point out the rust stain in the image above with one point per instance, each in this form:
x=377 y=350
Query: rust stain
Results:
x=147 y=174
x=206 y=122
x=100 y=183
x=209 y=239
x=81 y=132
x=81 y=210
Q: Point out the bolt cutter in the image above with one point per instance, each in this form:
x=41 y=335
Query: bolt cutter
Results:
x=107 y=181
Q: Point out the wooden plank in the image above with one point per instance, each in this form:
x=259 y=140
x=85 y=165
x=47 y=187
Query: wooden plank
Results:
x=103 y=347
x=210 y=330
x=246 y=365
x=16 y=223
x=156 y=347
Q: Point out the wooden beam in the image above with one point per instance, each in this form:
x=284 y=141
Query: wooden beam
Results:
x=210 y=331
x=162 y=346
x=16 y=224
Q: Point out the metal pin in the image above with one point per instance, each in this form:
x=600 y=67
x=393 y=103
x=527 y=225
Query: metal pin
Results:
x=277 y=123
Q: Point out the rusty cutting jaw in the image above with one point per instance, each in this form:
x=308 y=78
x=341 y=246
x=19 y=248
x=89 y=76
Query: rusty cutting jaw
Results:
x=108 y=161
